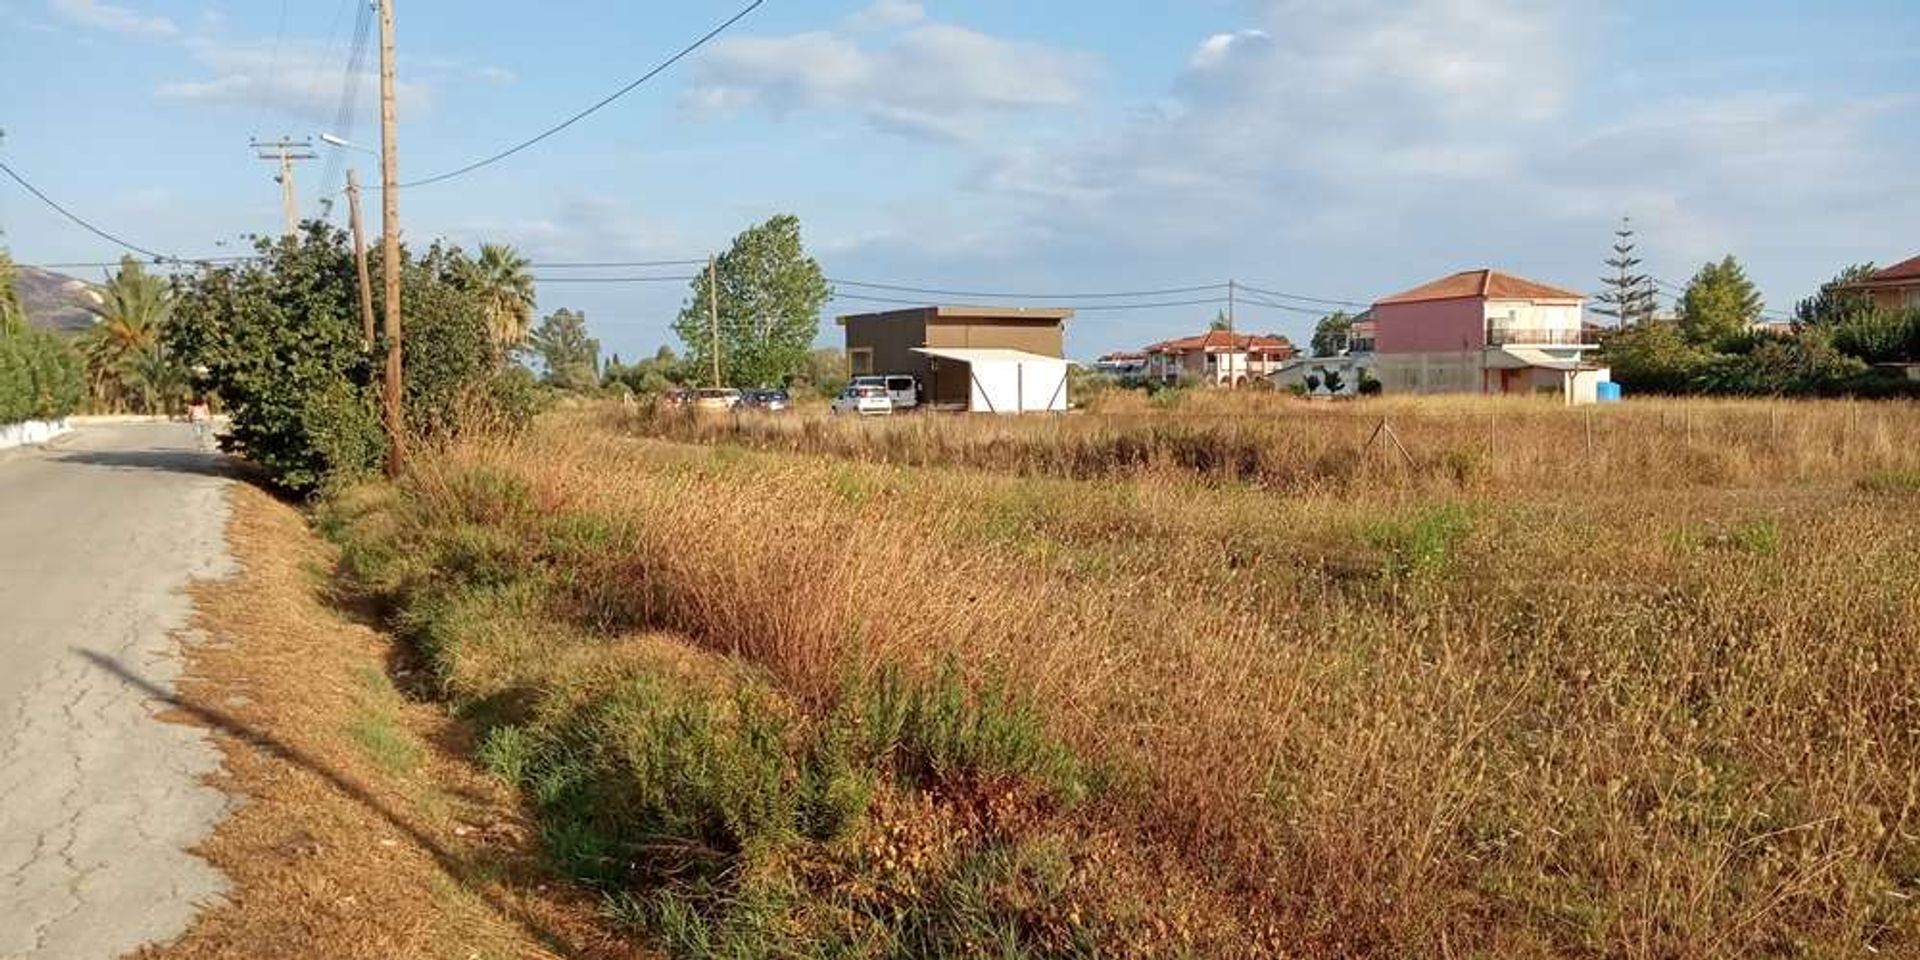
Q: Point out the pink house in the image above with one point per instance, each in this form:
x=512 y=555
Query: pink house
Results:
x=1483 y=331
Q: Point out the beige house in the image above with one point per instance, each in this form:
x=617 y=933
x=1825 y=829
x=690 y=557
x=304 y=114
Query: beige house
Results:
x=1894 y=287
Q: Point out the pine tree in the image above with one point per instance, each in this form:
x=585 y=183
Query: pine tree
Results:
x=1629 y=296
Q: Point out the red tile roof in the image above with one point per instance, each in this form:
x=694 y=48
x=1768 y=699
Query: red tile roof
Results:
x=1219 y=340
x=1489 y=284
x=1905 y=270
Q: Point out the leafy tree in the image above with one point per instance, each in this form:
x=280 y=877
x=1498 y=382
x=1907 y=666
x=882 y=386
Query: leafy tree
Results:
x=1797 y=365
x=1879 y=335
x=499 y=277
x=1332 y=333
x=770 y=295
x=1629 y=296
x=656 y=375
x=1834 y=306
x=572 y=358
x=826 y=371
x=1335 y=383
x=13 y=315
x=279 y=338
x=40 y=376
x=1219 y=321
x=1655 y=358
x=123 y=345
x=1719 y=303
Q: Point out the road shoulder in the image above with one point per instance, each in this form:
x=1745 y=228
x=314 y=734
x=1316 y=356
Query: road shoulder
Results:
x=363 y=831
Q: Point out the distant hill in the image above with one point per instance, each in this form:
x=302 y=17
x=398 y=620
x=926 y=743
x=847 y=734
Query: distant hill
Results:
x=54 y=301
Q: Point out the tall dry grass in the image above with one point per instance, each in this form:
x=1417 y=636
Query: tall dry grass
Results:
x=1431 y=444
x=1664 y=702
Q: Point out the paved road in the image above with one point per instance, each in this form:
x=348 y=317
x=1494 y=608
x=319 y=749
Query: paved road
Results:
x=99 y=800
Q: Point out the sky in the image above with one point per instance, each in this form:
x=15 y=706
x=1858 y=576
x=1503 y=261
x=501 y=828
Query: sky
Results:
x=1337 y=150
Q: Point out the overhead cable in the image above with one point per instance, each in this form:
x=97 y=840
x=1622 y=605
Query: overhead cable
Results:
x=76 y=218
x=582 y=115
x=1003 y=295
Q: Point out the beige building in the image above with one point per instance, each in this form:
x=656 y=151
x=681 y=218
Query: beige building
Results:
x=1895 y=287
x=992 y=359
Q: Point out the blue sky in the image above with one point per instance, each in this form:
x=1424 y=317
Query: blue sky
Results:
x=1331 y=148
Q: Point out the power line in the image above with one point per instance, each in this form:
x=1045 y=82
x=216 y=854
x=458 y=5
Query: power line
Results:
x=343 y=117
x=1258 y=302
x=1165 y=292
x=861 y=298
x=613 y=279
x=1295 y=296
x=608 y=264
x=582 y=115
x=76 y=218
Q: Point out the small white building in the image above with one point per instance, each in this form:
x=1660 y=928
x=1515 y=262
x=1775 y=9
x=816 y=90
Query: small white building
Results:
x=1002 y=380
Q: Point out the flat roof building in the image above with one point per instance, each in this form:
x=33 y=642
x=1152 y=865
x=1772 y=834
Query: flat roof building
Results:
x=990 y=359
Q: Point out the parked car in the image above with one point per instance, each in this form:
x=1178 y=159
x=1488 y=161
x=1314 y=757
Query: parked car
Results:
x=677 y=397
x=772 y=401
x=716 y=398
x=866 y=400
x=903 y=389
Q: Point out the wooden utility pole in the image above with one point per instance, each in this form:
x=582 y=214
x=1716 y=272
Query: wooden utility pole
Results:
x=285 y=152
x=390 y=245
x=713 y=315
x=360 y=260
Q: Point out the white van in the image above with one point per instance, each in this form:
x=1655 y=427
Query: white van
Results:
x=903 y=389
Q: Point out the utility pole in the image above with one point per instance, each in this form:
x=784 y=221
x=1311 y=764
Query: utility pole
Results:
x=360 y=260
x=1232 y=344
x=285 y=152
x=390 y=245
x=713 y=315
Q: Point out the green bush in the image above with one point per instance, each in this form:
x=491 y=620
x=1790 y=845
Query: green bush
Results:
x=41 y=377
x=280 y=339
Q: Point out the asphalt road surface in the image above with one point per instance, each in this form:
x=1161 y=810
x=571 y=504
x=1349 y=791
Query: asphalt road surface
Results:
x=100 y=800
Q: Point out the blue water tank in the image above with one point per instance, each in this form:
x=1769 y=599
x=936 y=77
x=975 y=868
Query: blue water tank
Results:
x=1608 y=392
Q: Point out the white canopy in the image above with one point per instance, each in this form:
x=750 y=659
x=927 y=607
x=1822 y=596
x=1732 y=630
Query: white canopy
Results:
x=1008 y=381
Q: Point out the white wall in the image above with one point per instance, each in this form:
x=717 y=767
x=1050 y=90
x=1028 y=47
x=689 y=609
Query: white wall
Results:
x=1019 y=386
x=30 y=432
x=1525 y=315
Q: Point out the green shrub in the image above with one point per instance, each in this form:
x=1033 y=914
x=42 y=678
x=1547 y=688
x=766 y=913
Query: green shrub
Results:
x=280 y=339
x=41 y=377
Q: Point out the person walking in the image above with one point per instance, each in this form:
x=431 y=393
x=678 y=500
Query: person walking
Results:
x=200 y=414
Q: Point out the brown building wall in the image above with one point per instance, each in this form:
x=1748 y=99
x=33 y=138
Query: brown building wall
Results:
x=891 y=340
x=1044 y=337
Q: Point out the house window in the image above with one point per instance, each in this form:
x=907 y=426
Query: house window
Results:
x=860 y=361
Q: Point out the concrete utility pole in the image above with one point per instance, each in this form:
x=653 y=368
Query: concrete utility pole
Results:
x=1232 y=287
x=390 y=245
x=713 y=315
x=360 y=260
x=285 y=151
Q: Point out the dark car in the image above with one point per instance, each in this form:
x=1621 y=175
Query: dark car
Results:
x=772 y=401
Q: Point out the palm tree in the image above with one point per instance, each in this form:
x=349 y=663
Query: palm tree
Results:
x=506 y=294
x=132 y=310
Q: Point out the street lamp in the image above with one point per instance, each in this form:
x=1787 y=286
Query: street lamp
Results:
x=345 y=144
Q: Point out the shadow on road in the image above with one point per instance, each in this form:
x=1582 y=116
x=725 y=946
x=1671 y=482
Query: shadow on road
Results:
x=191 y=462
x=452 y=864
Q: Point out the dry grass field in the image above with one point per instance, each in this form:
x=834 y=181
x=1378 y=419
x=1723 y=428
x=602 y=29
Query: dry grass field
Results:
x=1220 y=679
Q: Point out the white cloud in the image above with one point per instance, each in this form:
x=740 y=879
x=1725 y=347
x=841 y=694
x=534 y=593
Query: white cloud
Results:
x=301 y=80
x=931 y=80
x=886 y=14
x=498 y=76
x=107 y=16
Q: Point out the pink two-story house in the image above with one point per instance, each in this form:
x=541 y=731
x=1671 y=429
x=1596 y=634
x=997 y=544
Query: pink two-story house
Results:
x=1483 y=331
